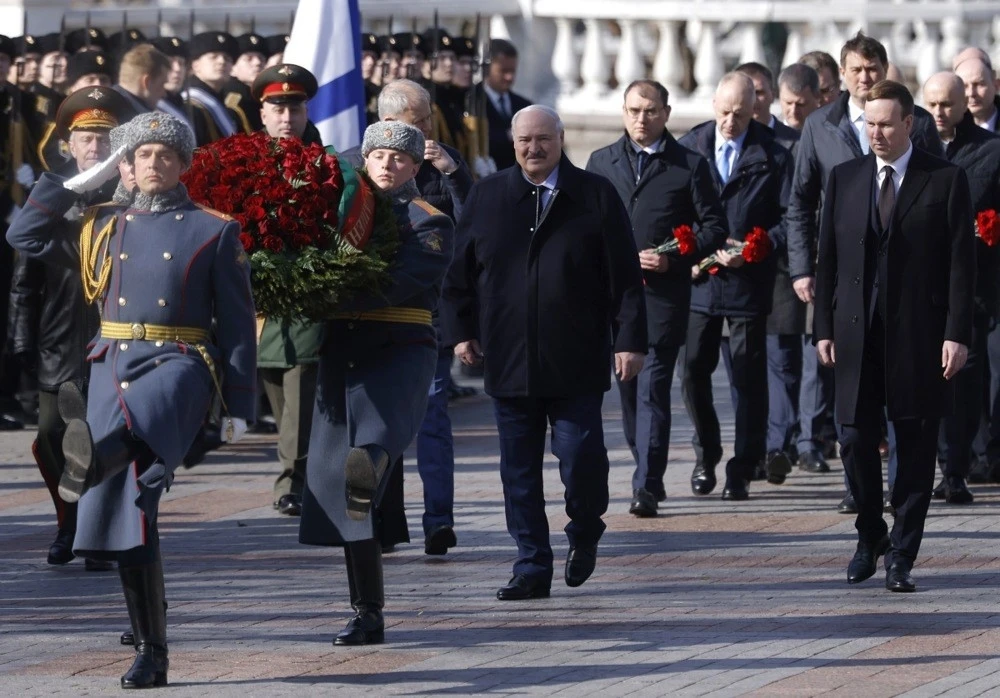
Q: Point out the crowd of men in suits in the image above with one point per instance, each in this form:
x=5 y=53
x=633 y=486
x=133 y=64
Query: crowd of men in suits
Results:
x=534 y=231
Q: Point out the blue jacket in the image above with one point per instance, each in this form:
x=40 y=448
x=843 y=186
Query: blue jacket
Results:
x=755 y=195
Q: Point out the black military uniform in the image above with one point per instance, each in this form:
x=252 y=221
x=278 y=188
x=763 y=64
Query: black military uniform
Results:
x=275 y=45
x=86 y=39
x=449 y=100
x=239 y=97
x=51 y=322
x=370 y=44
x=121 y=42
x=42 y=123
x=213 y=118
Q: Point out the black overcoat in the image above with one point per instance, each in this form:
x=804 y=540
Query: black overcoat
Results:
x=551 y=303
x=926 y=271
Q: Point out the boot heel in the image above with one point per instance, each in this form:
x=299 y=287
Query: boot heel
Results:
x=71 y=403
x=78 y=448
x=361 y=481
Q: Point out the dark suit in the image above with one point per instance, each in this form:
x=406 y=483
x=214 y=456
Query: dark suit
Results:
x=675 y=189
x=549 y=293
x=500 y=142
x=888 y=299
x=756 y=194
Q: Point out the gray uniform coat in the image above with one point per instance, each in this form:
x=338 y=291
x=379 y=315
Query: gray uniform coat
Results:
x=183 y=267
x=374 y=375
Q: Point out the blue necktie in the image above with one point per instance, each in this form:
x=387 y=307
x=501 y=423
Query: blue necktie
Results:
x=724 y=162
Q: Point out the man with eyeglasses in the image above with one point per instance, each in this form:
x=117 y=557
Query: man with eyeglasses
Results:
x=663 y=186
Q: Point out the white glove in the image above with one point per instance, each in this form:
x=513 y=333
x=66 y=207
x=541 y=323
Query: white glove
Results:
x=96 y=175
x=483 y=167
x=25 y=176
x=233 y=429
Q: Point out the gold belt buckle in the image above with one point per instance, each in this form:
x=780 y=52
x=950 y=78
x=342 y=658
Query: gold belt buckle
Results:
x=138 y=330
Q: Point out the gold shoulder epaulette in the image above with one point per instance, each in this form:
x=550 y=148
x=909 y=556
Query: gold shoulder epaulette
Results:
x=217 y=214
x=427 y=207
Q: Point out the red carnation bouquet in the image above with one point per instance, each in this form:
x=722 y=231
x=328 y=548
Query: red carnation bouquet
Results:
x=755 y=247
x=988 y=226
x=683 y=242
x=315 y=234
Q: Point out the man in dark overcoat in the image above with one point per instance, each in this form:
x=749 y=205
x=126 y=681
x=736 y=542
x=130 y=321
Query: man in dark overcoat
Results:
x=894 y=308
x=545 y=288
x=177 y=328
x=752 y=174
x=977 y=151
x=663 y=186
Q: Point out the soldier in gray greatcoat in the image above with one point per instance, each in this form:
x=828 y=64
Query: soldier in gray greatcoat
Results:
x=163 y=270
x=375 y=369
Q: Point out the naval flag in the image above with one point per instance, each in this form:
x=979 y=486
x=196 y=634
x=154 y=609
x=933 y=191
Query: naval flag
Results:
x=326 y=39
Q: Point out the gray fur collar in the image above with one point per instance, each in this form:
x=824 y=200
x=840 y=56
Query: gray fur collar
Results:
x=158 y=203
x=404 y=194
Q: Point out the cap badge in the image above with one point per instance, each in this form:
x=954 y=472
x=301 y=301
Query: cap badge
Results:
x=387 y=133
x=154 y=124
x=285 y=87
x=96 y=95
x=220 y=38
x=285 y=70
x=133 y=34
x=93 y=33
x=254 y=40
x=175 y=41
x=99 y=60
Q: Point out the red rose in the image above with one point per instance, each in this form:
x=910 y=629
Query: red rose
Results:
x=273 y=243
x=247 y=241
x=988 y=226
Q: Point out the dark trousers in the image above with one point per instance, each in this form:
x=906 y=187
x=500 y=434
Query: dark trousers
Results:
x=815 y=400
x=49 y=455
x=745 y=356
x=291 y=392
x=578 y=443
x=959 y=430
x=916 y=441
x=784 y=384
x=993 y=433
x=646 y=417
x=436 y=451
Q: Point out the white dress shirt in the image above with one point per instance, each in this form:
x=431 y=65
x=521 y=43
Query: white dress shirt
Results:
x=898 y=171
x=857 y=116
x=991 y=123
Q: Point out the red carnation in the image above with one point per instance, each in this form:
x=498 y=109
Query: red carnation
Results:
x=988 y=226
x=686 y=241
x=756 y=245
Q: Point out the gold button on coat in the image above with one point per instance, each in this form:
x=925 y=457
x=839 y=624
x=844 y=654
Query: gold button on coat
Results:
x=162 y=303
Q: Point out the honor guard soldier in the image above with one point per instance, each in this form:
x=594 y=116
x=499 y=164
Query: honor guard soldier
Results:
x=371 y=74
x=374 y=374
x=177 y=328
x=28 y=56
x=288 y=351
x=247 y=67
x=275 y=45
x=122 y=42
x=42 y=122
x=52 y=323
x=438 y=71
x=212 y=55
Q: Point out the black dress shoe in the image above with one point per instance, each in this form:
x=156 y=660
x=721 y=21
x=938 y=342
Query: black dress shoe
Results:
x=522 y=587
x=778 y=467
x=759 y=472
x=439 y=540
x=643 y=504
x=736 y=490
x=580 y=563
x=979 y=472
x=813 y=462
x=941 y=490
x=703 y=479
x=847 y=505
x=865 y=560
x=290 y=504
x=61 y=550
x=9 y=423
x=898 y=578
x=956 y=491
x=830 y=449
x=367 y=627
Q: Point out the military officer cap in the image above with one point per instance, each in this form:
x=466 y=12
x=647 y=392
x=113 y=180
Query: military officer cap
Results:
x=27 y=44
x=172 y=46
x=122 y=41
x=83 y=38
x=407 y=42
x=394 y=135
x=445 y=42
x=50 y=43
x=284 y=83
x=369 y=43
x=212 y=42
x=276 y=44
x=465 y=47
x=155 y=127
x=92 y=109
x=251 y=43
x=89 y=63
x=7 y=47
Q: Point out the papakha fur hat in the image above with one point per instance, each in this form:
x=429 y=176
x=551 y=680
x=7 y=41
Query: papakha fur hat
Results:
x=155 y=127
x=394 y=135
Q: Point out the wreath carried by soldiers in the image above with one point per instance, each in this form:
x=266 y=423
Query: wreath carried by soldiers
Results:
x=315 y=234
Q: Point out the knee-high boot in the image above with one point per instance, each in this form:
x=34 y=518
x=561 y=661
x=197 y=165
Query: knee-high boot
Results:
x=367 y=586
x=144 y=598
x=366 y=472
x=90 y=463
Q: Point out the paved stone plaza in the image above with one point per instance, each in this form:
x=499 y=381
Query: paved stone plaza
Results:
x=710 y=598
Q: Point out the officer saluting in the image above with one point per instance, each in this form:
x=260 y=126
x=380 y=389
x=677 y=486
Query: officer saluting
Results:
x=164 y=270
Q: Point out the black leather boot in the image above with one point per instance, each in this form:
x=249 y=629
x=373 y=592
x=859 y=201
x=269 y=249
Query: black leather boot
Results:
x=366 y=473
x=143 y=587
x=61 y=550
x=89 y=463
x=128 y=637
x=364 y=577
